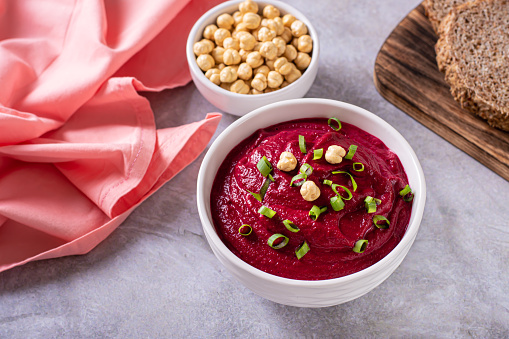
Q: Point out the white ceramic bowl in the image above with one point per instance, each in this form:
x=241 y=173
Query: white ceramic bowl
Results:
x=240 y=104
x=300 y=292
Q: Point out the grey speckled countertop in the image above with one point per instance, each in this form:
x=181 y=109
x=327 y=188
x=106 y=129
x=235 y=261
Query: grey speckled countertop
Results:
x=156 y=276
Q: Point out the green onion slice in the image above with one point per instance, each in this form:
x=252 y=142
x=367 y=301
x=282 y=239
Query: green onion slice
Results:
x=266 y=212
x=302 y=250
x=406 y=193
x=290 y=226
x=264 y=188
x=302 y=144
x=337 y=203
x=327 y=182
x=299 y=179
x=378 y=218
x=277 y=241
x=351 y=152
x=332 y=125
x=354 y=183
x=256 y=196
x=315 y=211
x=245 y=230
x=306 y=168
x=317 y=154
x=264 y=166
x=370 y=204
x=335 y=189
x=358 y=166
x=360 y=246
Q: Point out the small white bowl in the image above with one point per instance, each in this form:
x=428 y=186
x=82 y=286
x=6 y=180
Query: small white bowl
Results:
x=304 y=293
x=240 y=104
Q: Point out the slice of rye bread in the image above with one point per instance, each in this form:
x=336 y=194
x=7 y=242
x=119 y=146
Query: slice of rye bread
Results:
x=437 y=10
x=473 y=52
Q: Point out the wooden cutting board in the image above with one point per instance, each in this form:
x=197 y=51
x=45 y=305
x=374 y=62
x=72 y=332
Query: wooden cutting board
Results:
x=406 y=74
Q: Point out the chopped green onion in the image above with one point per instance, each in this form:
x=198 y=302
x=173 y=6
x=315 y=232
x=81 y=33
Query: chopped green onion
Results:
x=271 y=177
x=299 y=179
x=277 y=241
x=327 y=182
x=370 y=204
x=266 y=212
x=306 y=168
x=335 y=187
x=406 y=193
x=378 y=218
x=331 y=125
x=337 y=203
x=317 y=154
x=302 y=144
x=302 y=250
x=359 y=168
x=354 y=184
x=245 y=230
x=290 y=226
x=351 y=152
x=256 y=196
x=264 y=166
x=315 y=211
x=264 y=188
x=360 y=246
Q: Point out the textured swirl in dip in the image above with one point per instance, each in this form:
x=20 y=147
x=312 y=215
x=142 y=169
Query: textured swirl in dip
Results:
x=332 y=236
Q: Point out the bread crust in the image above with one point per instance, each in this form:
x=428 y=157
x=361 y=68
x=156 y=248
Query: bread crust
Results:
x=475 y=60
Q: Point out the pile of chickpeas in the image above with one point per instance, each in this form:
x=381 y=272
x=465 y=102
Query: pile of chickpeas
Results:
x=251 y=54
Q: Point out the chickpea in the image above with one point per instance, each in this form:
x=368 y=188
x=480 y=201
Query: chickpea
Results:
x=280 y=45
x=269 y=90
x=295 y=42
x=264 y=22
x=203 y=47
x=259 y=82
x=265 y=34
x=225 y=85
x=293 y=75
x=248 y=6
x=282 y=66
x=302 y=61
x=205 y=62
x=240 y=87
x=243 y=55
x=284 y=84
x=287 y=35
x=212 y=71
x=225 y=21
x=244 y=72
x=335 y=154
x=268 y=50
x=309 y=191
x=247 y=41
x=254 y=59
x=221 y=66
x=231 y=57
x=274 y=79
x=217 y=53
x=255 y=91
x=257 y=46
x=254 y=32
x=290 y=53
x=305 y=43
x=220 y=35
x=288 y=19
x=252 y=20
x=231 y=43
x=287 y=162
x=208 y=32
x=216 y=79
x=270 y=12
x=263 y=70
x=228 y=75
x=270 y=64
x=242 y=27
x=237 y=18
x=298 y=28
x=276 y=25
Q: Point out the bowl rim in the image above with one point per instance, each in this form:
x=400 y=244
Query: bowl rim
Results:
x=407 y=239
x=223 y=7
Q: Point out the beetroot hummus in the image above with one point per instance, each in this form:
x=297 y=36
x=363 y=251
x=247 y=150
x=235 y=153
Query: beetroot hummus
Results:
x=326 y=246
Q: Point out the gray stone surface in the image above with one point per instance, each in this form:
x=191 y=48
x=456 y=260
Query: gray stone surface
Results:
x=156 y=276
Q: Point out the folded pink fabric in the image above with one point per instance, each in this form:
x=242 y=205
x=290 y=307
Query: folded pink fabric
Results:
x=79 y=149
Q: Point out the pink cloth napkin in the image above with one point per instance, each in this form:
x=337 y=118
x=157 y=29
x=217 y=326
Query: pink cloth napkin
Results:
x=79 y=149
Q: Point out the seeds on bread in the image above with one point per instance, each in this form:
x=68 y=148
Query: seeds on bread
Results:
x=473 y=52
